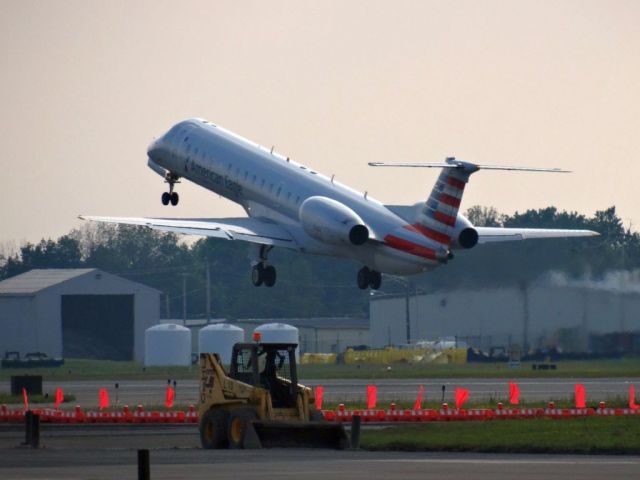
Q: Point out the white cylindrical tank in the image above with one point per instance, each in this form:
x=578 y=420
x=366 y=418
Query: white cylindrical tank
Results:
x=279 y=333
x=167 y=344
x=220 y=339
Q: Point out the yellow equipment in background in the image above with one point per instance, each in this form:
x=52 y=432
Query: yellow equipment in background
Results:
x=318 y=358
x=408 y=355
x=259 y=403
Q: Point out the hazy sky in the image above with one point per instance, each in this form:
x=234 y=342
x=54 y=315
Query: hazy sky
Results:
x=86 y=85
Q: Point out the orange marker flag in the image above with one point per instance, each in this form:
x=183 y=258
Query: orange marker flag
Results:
x=514 y=393
x=319 y=391
x=372 y=392
x=25 y=398
x=632 y=398
x=462 y=394
x=171 y=394
x=580 y=396
x=418 y=404
x=59 y=398
x=104 y=398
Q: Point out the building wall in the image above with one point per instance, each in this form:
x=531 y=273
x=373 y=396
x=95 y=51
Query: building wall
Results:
x=497 y=316
x=18 y=326
x=147 y=313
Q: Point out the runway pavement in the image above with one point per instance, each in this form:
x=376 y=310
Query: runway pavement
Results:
x=151 y=392
x=110 y=453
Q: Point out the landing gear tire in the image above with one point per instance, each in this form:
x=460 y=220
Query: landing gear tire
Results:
x=261 y=274
x=174 y=198
x=166 y=198
x=363 y=278
x=257 y=275
x=375 y=280
x=269 y=276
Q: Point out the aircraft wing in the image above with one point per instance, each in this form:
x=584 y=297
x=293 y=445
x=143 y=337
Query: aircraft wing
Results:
x=246 y=229
x=498 y=234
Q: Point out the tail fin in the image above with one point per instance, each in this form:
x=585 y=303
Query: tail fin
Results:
x=437 y=218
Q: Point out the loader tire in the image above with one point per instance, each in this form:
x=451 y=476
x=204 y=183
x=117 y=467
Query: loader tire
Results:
x=239 y=421
x=213 y=429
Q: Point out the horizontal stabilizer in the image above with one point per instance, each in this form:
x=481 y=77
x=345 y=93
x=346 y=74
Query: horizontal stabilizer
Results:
x=452 y=162
x=498 y=234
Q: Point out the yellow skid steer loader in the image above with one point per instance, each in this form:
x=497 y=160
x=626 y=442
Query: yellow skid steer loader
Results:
x=259 y=403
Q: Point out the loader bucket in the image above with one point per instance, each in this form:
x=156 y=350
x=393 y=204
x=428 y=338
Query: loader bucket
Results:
x=295 y=434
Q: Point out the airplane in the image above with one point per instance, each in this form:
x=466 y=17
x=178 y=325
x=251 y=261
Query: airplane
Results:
x=292 y=206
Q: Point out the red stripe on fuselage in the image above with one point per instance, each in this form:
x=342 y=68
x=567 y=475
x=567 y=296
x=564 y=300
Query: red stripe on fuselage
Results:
x=430 y=233
x=454 y=182
x=449 y=200
x=443 y=218
x=409 y=247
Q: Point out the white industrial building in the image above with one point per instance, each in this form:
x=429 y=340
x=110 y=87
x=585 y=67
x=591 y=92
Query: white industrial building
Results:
x=76 y=313
x=553 y=312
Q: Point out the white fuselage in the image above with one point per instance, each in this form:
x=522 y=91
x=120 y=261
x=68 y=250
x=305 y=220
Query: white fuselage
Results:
x=270 y=186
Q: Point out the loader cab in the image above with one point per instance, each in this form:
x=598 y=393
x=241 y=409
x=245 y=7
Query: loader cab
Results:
x=271 y=366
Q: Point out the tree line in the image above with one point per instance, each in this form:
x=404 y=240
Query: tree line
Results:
x=309 y=285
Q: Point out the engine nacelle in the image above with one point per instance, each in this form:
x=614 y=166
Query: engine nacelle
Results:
x=332 y=222
x=464 y=235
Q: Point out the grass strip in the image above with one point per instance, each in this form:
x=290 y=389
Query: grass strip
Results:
x=623 y=367
x=77 y=369
x=610 y=435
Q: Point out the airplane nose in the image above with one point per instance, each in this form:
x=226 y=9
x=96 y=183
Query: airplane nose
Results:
x=154 y=148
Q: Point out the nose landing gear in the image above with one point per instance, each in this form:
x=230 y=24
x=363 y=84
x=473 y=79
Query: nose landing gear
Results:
x=171 y=196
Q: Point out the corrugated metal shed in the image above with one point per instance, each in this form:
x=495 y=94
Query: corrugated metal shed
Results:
x=36 y=280
x=76 y=313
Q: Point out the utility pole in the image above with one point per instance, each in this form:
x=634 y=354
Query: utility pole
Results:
x=407 y=315
x=208 y=309
x=184 y=298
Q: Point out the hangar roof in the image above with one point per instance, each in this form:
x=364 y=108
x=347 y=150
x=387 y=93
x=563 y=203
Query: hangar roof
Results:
x=34 y=281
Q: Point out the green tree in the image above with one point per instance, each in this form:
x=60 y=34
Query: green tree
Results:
x=484 y=216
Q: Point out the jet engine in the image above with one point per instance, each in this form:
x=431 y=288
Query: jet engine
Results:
x=464 y=235
x=332 y=222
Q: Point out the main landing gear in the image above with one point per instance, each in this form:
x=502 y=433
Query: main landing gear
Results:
x=368 y=278
x=171 y=196
x=261 y=273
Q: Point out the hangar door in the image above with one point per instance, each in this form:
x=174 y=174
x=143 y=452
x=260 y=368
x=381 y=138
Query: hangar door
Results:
x=97 y=326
